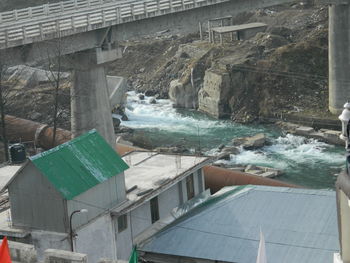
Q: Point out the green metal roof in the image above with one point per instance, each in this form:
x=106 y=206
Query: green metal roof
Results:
x=80 y=164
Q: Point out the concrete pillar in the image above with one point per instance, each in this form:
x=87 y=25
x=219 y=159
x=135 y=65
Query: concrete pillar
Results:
x=339 y=56
x=90 y=98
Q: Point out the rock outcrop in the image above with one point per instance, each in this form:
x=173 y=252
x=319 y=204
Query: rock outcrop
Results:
x=213 y=97
x=250 y=143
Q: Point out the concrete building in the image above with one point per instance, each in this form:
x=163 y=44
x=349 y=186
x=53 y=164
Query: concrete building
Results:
x=127 y=200
x=158 y=188
x=299 y=225
x=83 y=173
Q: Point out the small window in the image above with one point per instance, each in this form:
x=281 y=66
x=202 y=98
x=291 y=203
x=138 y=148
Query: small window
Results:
x=154 y=209
x=190 y=187
x=122 y=223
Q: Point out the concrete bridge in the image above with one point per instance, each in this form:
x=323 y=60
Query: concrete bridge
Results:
x=88 y=32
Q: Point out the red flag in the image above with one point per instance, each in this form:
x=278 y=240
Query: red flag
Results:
x=5 y=252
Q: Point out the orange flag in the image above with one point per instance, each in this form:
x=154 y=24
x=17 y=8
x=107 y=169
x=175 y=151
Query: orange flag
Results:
x=5 y=252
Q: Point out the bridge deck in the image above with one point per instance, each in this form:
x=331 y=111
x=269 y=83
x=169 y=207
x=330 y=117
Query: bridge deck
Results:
x=77 y=16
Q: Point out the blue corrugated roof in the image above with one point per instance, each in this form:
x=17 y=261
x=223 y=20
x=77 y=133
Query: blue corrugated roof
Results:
x=299 y=225
x=80 y=164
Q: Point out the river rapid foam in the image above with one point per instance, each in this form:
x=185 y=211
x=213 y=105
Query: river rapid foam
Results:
x=305 y=161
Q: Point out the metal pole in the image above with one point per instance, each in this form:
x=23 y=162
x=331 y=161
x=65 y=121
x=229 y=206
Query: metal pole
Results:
x=200 y=31
x=71 y=229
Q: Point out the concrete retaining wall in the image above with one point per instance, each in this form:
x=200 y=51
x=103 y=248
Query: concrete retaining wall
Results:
x=25 y=253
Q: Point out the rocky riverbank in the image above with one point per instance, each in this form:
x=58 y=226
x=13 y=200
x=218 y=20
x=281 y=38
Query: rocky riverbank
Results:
x=279 y=71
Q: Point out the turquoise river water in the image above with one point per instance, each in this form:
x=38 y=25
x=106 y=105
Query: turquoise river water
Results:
x=304 y=161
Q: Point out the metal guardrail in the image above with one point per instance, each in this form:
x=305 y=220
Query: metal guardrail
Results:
x=64 y=23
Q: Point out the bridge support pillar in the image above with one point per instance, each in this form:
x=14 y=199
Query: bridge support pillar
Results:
x=90 y=106
x=339 y=55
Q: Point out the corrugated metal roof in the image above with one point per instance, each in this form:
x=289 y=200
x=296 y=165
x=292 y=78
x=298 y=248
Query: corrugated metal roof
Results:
x=79 y=164
x=299 y=225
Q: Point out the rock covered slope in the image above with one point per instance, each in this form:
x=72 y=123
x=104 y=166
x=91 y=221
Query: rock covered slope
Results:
x=283 y=69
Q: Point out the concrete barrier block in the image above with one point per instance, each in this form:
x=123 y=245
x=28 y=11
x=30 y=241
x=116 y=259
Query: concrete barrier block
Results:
x=107 y=260
x=21 y=252
x=63 y=256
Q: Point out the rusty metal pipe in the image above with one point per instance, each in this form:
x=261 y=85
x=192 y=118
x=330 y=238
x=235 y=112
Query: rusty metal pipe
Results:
x=217 y=178
x=19 y=129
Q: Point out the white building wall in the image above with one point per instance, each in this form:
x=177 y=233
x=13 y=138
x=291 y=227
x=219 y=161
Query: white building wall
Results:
x=123 y=239
x=97 y=239
x=168 y=200
x=141 y=218
x=195 y=183
x=101 y=238
x=184 y=190
x=201 y=183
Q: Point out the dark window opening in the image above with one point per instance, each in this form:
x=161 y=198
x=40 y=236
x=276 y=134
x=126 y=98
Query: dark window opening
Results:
x=190 y=187
x=122 y=223
x=154 y=209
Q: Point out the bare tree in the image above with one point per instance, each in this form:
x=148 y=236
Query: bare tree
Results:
x=55 y=78
x=2 y=104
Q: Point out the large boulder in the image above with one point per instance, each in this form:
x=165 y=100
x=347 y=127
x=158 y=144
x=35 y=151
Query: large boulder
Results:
x=250 y=143
x=183 y=96
x=213 y=97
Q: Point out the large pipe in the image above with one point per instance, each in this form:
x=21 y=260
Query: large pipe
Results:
x=23 y=130
x=217 y=178
x=18 y=129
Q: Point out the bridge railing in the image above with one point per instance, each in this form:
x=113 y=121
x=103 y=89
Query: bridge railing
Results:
x=45 y=28
x=49 y=9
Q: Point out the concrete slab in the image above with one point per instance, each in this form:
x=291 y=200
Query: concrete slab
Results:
x=227 y=29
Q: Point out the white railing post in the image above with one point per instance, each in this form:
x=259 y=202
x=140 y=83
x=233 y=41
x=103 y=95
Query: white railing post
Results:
x=118 y=16
x=41 y=31
x=30 y=13
x=171 y=6
x=132 y=11
x=46 y=9
x=6 y=37
x=158 y=6
x=88 y=20
x=145 y=8
x=15 y=13
x=24 y=33
x=103 y=17
x=0 y=18
x=58 y=31
x=72 y=22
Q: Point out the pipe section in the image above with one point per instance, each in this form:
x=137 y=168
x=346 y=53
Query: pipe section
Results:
x=217 y=178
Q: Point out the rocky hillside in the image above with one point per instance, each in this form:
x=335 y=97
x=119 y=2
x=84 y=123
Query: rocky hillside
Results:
x=281 y=70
